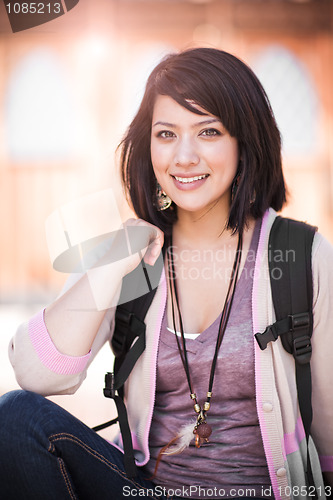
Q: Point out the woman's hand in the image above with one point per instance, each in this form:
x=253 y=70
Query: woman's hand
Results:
x=144 y=240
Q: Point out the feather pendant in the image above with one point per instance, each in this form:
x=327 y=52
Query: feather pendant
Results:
x=181 y=441
x=176 y=445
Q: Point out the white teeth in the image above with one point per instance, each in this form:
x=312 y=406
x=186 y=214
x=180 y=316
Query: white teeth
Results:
x=185 y=180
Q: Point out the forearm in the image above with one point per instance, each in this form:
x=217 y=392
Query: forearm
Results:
x=50 y=352
x=74 y=318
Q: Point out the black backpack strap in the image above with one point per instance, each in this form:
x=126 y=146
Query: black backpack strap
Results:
x=128 y=343
x=110 y=392
x=289 y=253
x=129 y=338
x=290 y=250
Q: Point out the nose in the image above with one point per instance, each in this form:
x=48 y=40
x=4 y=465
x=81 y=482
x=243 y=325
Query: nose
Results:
x=186 y=153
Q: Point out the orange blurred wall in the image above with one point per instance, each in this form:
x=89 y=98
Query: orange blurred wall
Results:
x=103 y=52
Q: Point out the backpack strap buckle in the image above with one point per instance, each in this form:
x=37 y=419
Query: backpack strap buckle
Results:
x=264 y=338
x=293 y=323
x=272 y=332
x=301 y=344
x=109 y=390
x=301 y=320
x=302 y=349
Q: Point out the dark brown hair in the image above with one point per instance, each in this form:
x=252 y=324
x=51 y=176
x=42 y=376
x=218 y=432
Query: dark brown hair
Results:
x=225 y=87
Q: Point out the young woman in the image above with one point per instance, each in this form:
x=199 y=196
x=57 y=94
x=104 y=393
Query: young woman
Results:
x=211 y=415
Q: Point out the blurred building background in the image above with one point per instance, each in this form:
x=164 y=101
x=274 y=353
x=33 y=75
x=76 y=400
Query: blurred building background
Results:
x=69 y=88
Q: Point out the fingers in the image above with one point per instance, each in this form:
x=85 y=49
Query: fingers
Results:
x=155 y=247
x=144 y=238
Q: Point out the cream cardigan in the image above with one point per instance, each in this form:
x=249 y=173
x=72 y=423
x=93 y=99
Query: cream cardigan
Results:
x=40 y=368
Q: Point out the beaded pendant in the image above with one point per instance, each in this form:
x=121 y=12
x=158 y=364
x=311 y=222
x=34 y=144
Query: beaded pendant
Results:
x=202 y=432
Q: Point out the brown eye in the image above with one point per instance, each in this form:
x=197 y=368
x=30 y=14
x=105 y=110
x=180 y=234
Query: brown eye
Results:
x=210 y=132
x=165 y=134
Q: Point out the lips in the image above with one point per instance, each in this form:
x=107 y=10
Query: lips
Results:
x=189 y=183
x=187 y=180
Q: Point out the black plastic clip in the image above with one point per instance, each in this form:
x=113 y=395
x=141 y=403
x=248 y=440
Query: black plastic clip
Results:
x=109 y=389
x=289 y=324
x=264 y=338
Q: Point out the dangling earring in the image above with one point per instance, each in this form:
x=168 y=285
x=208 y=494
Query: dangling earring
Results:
x=163 y=200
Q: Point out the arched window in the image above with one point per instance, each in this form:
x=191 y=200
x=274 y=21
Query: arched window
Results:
x=39 y=111
x=293 y=97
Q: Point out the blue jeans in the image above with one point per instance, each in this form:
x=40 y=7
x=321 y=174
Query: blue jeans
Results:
x=48 y=454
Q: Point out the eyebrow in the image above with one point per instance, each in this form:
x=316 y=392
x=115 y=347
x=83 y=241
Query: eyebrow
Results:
x=204 y=122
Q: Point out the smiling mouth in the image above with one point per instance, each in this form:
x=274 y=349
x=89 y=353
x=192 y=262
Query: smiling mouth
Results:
x=186 y=180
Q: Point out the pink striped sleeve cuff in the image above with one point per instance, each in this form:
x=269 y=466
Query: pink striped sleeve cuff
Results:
x=326 y=463
x=47 y=351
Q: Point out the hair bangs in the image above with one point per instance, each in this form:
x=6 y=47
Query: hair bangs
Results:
x=188 y=85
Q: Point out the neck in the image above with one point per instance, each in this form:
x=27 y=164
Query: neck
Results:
x=204 y=229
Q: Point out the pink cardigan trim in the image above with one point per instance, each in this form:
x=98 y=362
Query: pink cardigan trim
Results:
x=260 y=256
x=293 y=439
x=153 y=370
x=47 y=352
x=326 y=463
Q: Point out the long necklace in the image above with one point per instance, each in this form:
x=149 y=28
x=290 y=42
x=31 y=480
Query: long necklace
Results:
x=202 y=430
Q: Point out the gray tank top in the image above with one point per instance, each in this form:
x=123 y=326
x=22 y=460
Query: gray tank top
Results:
x=234 y=458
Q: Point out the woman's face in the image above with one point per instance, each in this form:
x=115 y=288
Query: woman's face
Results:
x=194 y=157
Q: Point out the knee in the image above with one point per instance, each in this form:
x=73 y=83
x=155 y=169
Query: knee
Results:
x=17 y=409
x=21 y=432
